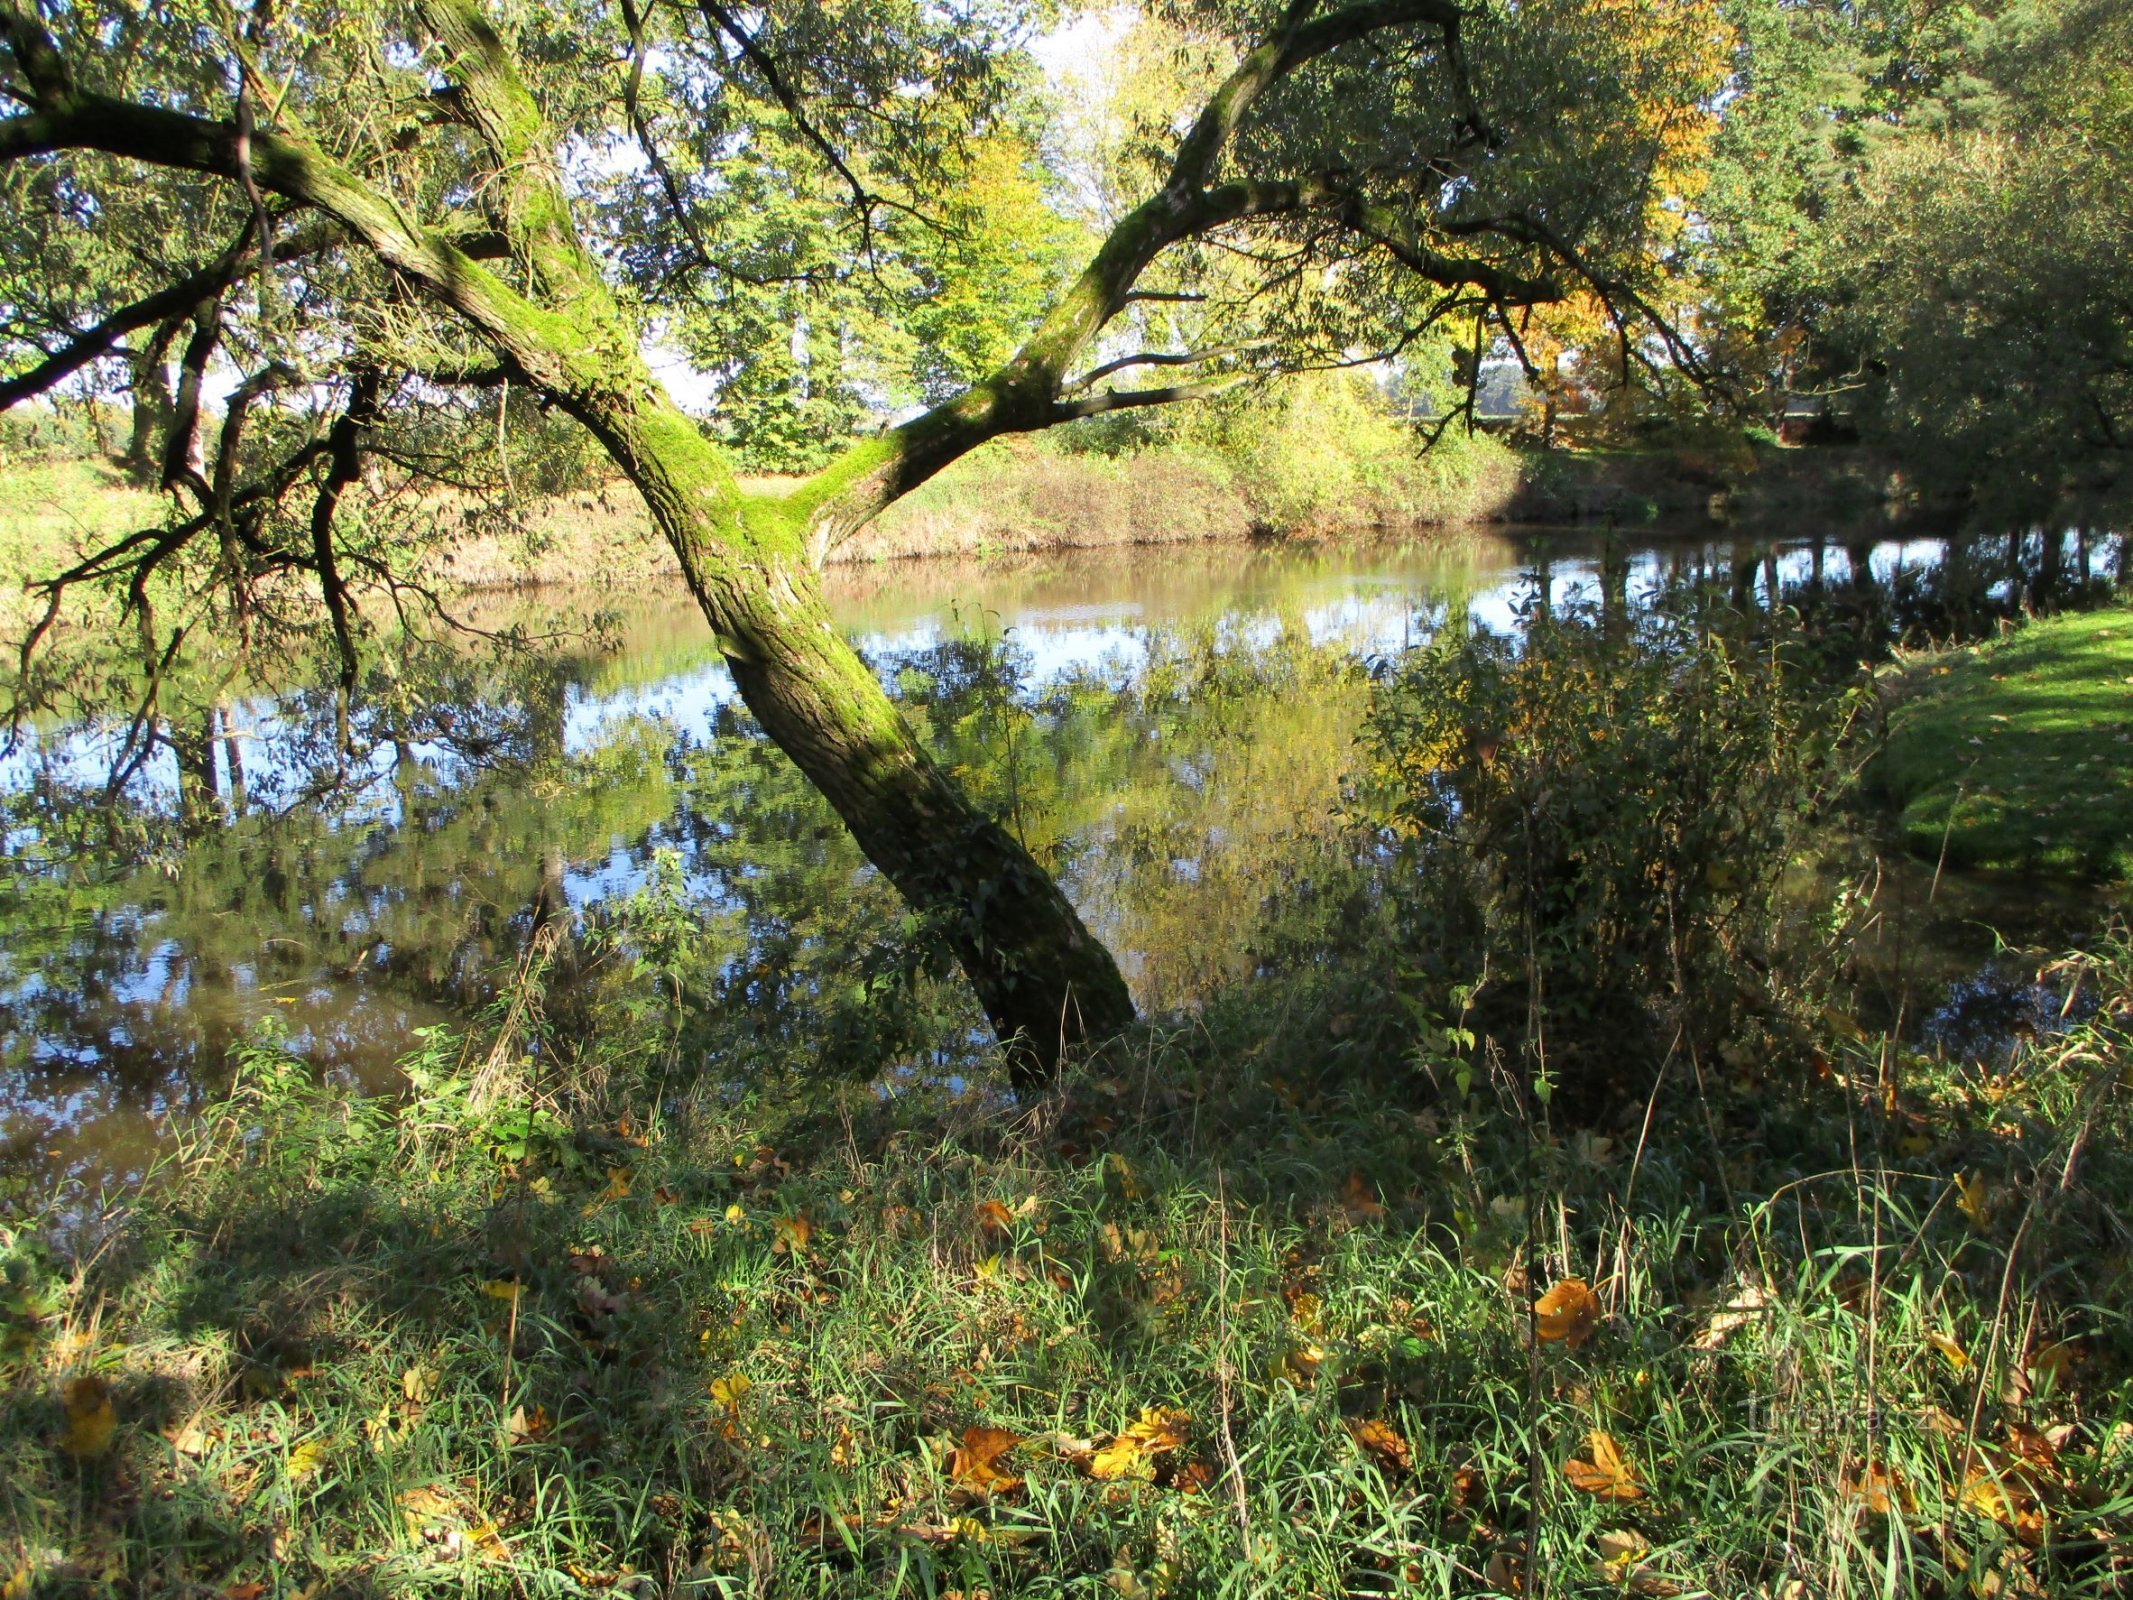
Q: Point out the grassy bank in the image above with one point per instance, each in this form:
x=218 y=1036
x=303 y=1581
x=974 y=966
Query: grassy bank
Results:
x=2017 y=754
x=1222 y=1316
x=1473 y=1234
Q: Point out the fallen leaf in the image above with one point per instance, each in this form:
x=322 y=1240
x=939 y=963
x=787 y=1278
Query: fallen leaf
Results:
x=1973 y=1199
x=1132 y=1453
x=91 y=1418
x=487 y=1542
x=190 y=1438
x=975 y=1463
x=793 y=1232
x=1193 y=1477
x=1745 y=1307
x=2005 y=1501
x=1504 y=1573
x=1954 y=1354
x=1609 y=1475
x=1359 y=1197
x=1383 y=1440
x=2033 y=1450
x=1877 y=1488
x=1568 y=1312
x=2054 y=1360
x=528 y=1427
x=243 y=1591
x=306 y=1459
x=995 y=1218
x=501 y=1289
x=727 y=1391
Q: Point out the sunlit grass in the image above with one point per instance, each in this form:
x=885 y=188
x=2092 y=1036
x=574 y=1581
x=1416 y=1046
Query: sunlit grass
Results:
x=2020 y=752
x=732 y=1346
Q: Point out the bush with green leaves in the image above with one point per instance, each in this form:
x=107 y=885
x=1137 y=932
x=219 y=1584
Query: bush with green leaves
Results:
x=1597 y=819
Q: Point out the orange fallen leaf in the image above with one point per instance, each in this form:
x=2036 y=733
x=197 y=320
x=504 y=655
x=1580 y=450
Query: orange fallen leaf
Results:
x=793 y=1232
x=1359 y=1197
x=1383 y=1440
x=995 y=1218
x=1609 y=1475
x=1877 y=1488
x=975 y=1463
x=1567 y=1313
x=2004 y=1500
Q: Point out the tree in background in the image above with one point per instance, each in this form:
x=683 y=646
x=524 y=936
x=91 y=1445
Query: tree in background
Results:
x=398 y=203
x=1924 y=209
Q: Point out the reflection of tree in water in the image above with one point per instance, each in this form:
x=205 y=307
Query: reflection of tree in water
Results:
x=1177 y=807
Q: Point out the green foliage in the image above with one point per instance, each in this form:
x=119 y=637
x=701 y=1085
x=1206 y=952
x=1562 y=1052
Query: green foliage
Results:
x=1918 y=208
x=1599 y=815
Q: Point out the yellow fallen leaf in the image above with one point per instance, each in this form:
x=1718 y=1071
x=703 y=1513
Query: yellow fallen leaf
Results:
x=1609 y=1475
x=975 y=1463
x=1132 y=1453
x=487 y=1542
x=1973 y=1199
x=499 y=1289
x=1384 y=1441
x=1568 y=1312
x=1954 y=1354
x=728 y=1390
x=793 y=1233
x=2005 y=1501
x=306 y=1459
x=91 y=1418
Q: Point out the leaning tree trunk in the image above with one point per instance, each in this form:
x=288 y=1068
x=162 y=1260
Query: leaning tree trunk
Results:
x=1046 y=983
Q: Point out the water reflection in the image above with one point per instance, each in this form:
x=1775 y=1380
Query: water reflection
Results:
x=598 y=774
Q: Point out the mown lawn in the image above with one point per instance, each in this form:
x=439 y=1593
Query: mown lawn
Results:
x=2019 y=754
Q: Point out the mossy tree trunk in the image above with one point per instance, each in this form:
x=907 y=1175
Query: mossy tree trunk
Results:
x=749 y=558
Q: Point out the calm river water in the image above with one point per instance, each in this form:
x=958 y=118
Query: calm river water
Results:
x=119 y=1002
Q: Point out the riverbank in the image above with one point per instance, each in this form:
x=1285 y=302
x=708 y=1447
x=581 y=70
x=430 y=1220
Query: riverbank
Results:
x=1216 y=1307
x=1030 y=496
x=2017 y=754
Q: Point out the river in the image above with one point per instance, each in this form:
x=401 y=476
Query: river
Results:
x=350 y=928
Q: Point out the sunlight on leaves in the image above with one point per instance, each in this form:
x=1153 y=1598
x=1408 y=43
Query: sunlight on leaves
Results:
x=1609 y=1475
x=1131 y=1454
x=1567 y=1313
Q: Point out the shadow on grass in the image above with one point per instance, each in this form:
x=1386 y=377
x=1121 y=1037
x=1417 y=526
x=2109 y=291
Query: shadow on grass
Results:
x=1250 y=1299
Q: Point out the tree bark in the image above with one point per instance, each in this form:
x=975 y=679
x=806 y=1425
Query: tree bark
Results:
x=1046 y=983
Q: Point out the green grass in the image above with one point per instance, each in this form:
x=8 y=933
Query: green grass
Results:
x=2019 y=752
x=52 y=512
x=496 y=1338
